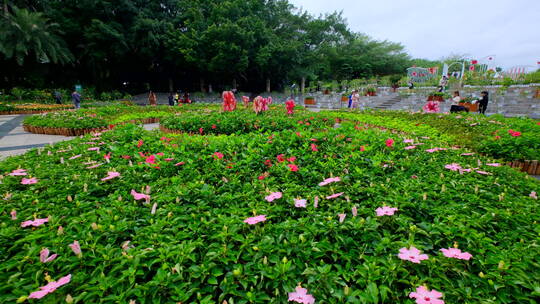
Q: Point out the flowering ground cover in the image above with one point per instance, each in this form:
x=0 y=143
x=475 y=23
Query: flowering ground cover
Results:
x=304 y=213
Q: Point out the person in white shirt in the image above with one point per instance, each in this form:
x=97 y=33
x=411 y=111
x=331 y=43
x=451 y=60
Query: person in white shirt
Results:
x=455 y=104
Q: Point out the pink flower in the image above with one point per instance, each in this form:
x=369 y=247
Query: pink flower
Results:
x=533 y=195
x=13 y=214
x=424 y=296
x=354 y=211
x=408 y=141
x=410 y=147
x=150 y=159
x=273 y=196
x=316 y=202
x=140 y=143
x=52 y=286
x=107 y=156
x=300 y=203
x=94 y=166
x=44 y=256
x=160 y=153
x=494 y=165
x=334 y=195
x=76 y=248
x=314 y=148
x=255 y=219
x=93 y=149
x=362 y=148
x=75 y=156
x=291 y=159
x=293 y=167
x=261 y=177
x=154 y=208
x=381 y=211
x=169 y=159
x=281 y=158
x=218 y=155
x=514 y=133
x=300 y=295
x=456 y=254
x=453 y=167
x=179 y=164
x=329 y=181
x=29 y=181
x=18 y=172
x=412 y=255
x=111 y=175
x=35 y=223
x=467 y=154
x=483 y=172
x=342 y=217
x=431 y=107
x=389 y=142
x=140 y=196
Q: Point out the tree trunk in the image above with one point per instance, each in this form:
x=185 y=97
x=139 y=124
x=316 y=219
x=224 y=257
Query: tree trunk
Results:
x=267 y=85
x=303 y=85
x=171 y=85
x=234 y=83
x=201 y=82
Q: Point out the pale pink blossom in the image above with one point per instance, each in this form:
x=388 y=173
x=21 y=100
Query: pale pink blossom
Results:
x=111 y=175
x=424 y=296
x=140 y=196
x=35 y=223
x=44 y=256
x=29 y=181
x=334 y=195
x=52 y=286
x=456 y=254
x=316 y=202
x=76 y=248
x=75 y=156
x=381 y=211
x=153 y=210
x=408 y=141
x=354 y=211
x=126 y=246
x=410 y=147
x=93 y=149
x=412 y=255
x=342 y=217
x=467 y=154
x=483 y=172
x=533 y=195
x=94 y=166
x=273 y=196
x=18 y=172
x=494 y=165
x=453 y=167
x=300 y=203
x=60 y=230
x=13 y=214
x=300 y=295
x=329 y=181
x=255 y=219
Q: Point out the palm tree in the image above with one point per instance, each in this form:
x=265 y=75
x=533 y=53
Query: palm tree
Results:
x=23 y=32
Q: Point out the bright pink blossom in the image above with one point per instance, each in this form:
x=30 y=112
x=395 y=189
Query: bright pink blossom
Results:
x=44 y=256
x=140 y=196
x=362 y=148
x=431 y=107
x=389 y=142
x=218 y=155
x=410 y=147
x=29 y=181
x=75 y=156
x=300 y=295
x=314 y=148
x=412 y=255
x=329 y=181
x=179 y=164
x=453 y=167
x=35 y=223
x=18 y=172
x=424 y=296
x=49 y=288
x=76 y=248
x=291 y=159
x=342 y=217
x=381 y=211
x=514 y=133
x=255 y=219
x=456 y=254
x=293 y=167
x=150 y=159
x=140 y=143
x=300 y=203
x=273 y=196
x=281 y=158
x=13 y=214
x=107 y=156
x=111 y=175
x=334 y=195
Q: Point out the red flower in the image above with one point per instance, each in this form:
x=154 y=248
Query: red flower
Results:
x=160 y=154
x=281 y=158
x=362 y=148
x=307 y=124
x=107 y=156
x=179 y=164
x=268 y=163
x=218 y=155
x=538 y=123
x=126 y=156
x=140 y=143
x=314 y=148
x=475 y=61
x=201 y=131
x=389 y=142
x=293 y=167
x=261 y=177
x=514 y=133
x=214 y=126
x=497 y=137
x=291 y=159
x=151 y=159
x=298 y=134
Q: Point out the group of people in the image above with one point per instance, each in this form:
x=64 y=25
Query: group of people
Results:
x=75 y=97
x=175 y=99
x=482 y=103
x=354 y=98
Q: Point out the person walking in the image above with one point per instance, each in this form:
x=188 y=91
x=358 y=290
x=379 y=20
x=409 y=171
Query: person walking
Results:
x=483 y=102
x=171 y=99
x=58 y=97
x=443 y=83
x=76 y=98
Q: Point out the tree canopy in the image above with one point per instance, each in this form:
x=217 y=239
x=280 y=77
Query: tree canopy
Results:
x=185 y=44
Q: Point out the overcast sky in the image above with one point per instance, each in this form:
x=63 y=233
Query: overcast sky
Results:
x=431 y=29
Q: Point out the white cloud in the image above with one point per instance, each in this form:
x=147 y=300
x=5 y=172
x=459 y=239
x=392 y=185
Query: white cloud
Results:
x=509 y=29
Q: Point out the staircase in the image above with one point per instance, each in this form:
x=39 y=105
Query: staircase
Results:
x=388 y=103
